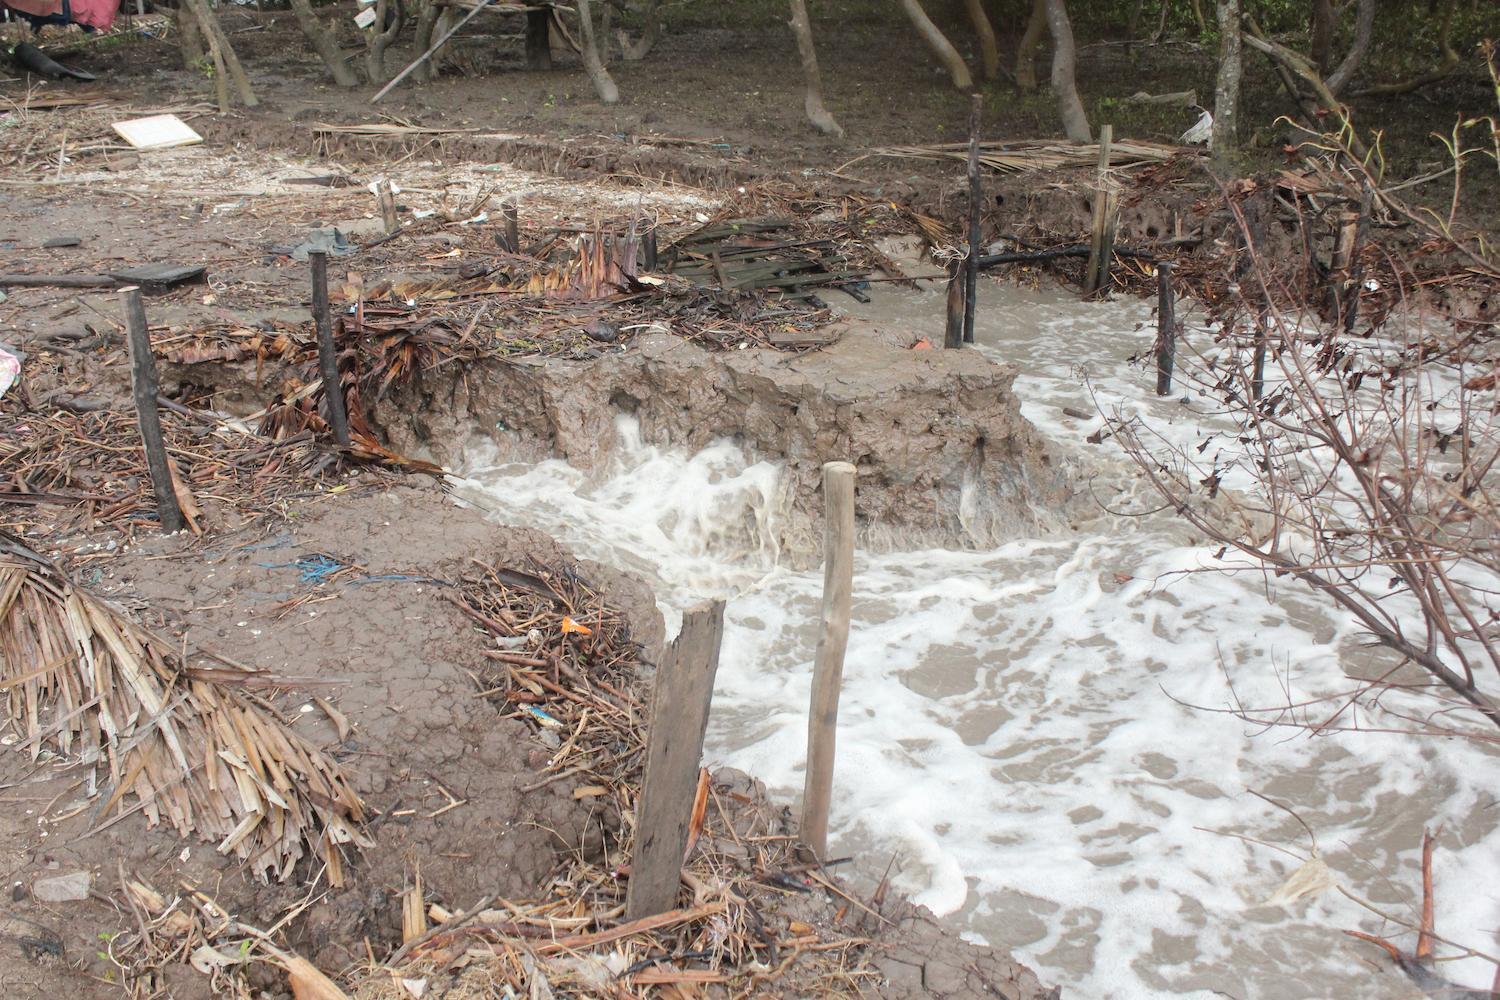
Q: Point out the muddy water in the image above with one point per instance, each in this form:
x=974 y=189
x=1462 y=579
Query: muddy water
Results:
x=1036 y=732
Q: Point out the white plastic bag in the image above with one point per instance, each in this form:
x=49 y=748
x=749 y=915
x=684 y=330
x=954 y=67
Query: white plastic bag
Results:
x=10 y=370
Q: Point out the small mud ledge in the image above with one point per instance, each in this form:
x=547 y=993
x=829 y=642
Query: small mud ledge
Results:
x=944 y=456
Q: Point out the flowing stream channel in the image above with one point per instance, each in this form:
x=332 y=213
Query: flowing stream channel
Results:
x=1037 y=733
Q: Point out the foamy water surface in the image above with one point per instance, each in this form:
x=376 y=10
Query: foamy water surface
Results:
x=1037 y=733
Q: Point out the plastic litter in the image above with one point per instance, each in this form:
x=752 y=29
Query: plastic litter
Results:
x=10 y=369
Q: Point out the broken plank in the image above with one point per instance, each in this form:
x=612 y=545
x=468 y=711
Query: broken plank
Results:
x=683 y=689
x=159 y=275
x=57 y=281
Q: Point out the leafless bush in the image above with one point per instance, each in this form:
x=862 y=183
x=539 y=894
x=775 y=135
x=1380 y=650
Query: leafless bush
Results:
x=1358 y=462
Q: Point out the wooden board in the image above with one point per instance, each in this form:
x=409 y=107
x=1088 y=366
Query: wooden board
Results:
x=159 y=275
x=679 y=716
x=157 y=132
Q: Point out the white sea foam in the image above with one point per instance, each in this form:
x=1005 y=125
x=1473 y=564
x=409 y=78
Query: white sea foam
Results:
x=1038 y=732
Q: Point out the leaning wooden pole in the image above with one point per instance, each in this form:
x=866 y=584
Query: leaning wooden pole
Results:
x=328 y=363
x=683 y=690
x=1166 y=329
x=833 y=639
x=144 y=388
x=976 y=211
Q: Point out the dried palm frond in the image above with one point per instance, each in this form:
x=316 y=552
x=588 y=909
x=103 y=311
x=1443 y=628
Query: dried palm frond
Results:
x=598 y=270
x=79 y=677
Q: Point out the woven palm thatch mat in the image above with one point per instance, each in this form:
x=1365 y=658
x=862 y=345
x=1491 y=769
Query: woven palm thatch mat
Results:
x=191 y=746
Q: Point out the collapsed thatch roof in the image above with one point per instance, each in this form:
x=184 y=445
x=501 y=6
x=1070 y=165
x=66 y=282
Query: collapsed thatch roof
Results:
x=191 y=746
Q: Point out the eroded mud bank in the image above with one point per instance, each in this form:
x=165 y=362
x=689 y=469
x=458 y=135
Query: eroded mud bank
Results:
x=945 y=457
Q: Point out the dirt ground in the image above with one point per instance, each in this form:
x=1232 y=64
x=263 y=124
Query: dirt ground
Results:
x=714 y=111
x=457 y=785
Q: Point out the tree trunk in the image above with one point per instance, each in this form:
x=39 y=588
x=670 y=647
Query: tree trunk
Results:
x=1364 y=29
x=1224 y=140
x=426 y=28
x=1299 y=65
x=606 y=31
x=1198 y=17
x=190 y=39
x=1064 y=82
x=225 y=52
x=1036 y=26
x=989 y=49
x=650 y=32
x=1324 y=22
x=324 y=44
x=822 y=119
x=538 y=40
x=378 y=38
x=939 y=44
x=603 y=83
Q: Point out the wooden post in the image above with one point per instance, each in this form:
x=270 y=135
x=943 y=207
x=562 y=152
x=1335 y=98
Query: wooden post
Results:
x=953 y=331
x=648 y=246
x=509 y=238
x=1258 y=378
x=385 y=199
x=1355 y=285
x=144 y=388
x=1343 y=257
x=833 y=639
x=328 y=364
x=976 y=209
x=538 y=45
x=1166 y=329
x=1101 y=246
x=679 y=715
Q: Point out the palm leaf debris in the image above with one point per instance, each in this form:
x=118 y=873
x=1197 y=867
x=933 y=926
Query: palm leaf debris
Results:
x=192 y=747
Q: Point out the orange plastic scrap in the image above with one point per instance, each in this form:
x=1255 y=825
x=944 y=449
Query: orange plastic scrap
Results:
x=569 y=626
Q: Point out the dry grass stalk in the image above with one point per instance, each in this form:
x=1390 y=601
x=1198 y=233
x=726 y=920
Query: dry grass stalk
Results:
x=79 y=678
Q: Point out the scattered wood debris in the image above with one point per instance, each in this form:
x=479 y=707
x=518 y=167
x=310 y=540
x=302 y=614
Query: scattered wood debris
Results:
x=1019 y=157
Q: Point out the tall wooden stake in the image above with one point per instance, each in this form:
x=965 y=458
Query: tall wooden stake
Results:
x=833 y=639
x=976 y=210
x=328 y=364
x=679 y=715
x=1101 y=246
x=1355 y=286
x=1166 y=330
x=144 y=387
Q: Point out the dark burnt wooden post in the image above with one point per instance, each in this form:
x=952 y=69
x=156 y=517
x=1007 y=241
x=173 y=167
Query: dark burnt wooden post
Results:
x=976 y=208
x=143 y=386
x=1166 y=329
x=328 y=364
